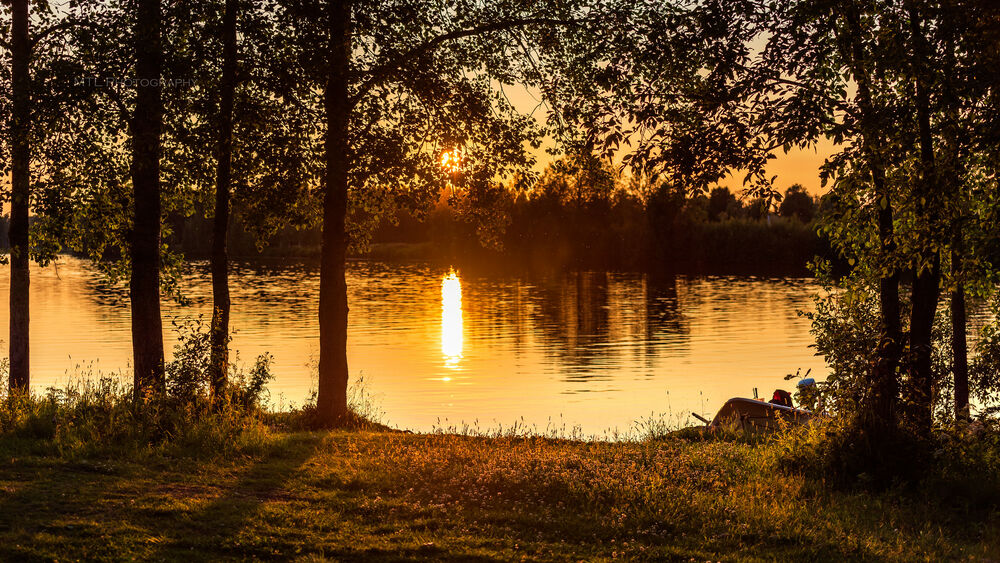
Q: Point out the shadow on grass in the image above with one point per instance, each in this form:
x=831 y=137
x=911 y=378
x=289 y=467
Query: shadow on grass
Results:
x=260 y=516
x=115 y=509
x=225 y=525
x=46 y=509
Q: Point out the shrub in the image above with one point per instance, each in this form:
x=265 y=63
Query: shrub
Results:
x=99 y=416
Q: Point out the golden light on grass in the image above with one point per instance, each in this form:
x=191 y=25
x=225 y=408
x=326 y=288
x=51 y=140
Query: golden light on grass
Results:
x=452 y=339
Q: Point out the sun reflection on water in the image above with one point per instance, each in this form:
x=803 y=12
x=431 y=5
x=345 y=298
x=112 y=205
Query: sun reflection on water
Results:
x=451 y=320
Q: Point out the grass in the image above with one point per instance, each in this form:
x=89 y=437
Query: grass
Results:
x=86 y=475
x=377 y=495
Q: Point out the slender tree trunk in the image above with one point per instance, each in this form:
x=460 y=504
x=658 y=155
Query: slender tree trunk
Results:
x=952 y=134
x=219 y=365
x=144 y=286
x=333 y=309
x=884 y=384
x=926 y=286
x=20 y=194
x=959 y=344
x=926 y=291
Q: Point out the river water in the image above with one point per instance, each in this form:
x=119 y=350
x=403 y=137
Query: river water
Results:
x=435 y=347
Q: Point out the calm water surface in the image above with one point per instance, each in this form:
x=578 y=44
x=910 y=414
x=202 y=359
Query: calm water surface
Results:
x=596 y=350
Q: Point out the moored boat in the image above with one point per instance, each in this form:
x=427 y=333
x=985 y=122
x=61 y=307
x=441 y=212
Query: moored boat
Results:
x=756 y=415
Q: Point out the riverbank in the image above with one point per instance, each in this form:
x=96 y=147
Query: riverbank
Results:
x=373 y=495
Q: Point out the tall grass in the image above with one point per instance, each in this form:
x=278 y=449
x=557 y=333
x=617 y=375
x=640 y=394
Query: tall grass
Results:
x=89 y=417
x=97 y=414
x=743 y=246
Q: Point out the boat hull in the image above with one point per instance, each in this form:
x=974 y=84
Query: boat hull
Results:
x=755 y=415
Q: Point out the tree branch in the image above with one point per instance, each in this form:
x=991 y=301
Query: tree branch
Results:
x=797 y=84
x=66 y=24
x=382 y=71
x=123 y=112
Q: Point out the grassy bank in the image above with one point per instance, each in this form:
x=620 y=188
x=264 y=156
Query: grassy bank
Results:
x=363 y=495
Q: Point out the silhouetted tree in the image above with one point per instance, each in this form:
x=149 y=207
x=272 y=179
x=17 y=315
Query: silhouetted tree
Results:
x=968 y=38
x=664 y=208
x=797 y=203
x=233 y=153
x=720 y=201
x=758 y=208
x=578 y=180
x=20 y=179
x=36 y=99
x=401 y=85
x=219 y=364
x=147 y=123
x=127 y=143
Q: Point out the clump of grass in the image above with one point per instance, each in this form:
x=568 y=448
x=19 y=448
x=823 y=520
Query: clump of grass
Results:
x=101 y=417
x=652 y=427
x=98 y=415
x=363 y=411
x=519 y=428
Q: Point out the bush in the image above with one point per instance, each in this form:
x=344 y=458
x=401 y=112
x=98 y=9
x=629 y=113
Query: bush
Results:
x=846 y=325
x=92 y=416
x=834 y=451
x=959 y=464
x=187 y=374
x=984 y=367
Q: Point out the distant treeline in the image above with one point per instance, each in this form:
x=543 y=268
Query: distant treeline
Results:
x=554 y=227
x=193 y=236
x=717 y=233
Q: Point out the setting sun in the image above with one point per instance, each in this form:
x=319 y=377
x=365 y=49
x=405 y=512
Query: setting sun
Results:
x=451 y=160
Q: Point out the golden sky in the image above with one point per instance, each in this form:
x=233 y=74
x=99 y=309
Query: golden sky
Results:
x=798 y=166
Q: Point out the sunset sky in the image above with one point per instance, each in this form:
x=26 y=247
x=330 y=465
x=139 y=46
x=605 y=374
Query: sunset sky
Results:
x=798 y=166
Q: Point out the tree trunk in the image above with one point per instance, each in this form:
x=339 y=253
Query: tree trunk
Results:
x=20 y=179
x=959 y=344
x=926 y=290
x=885 y=388
x=926 y=286
x=953 y=134
x=881 y=418
x=333 y=309
x=144 y=285
x=219 y=364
